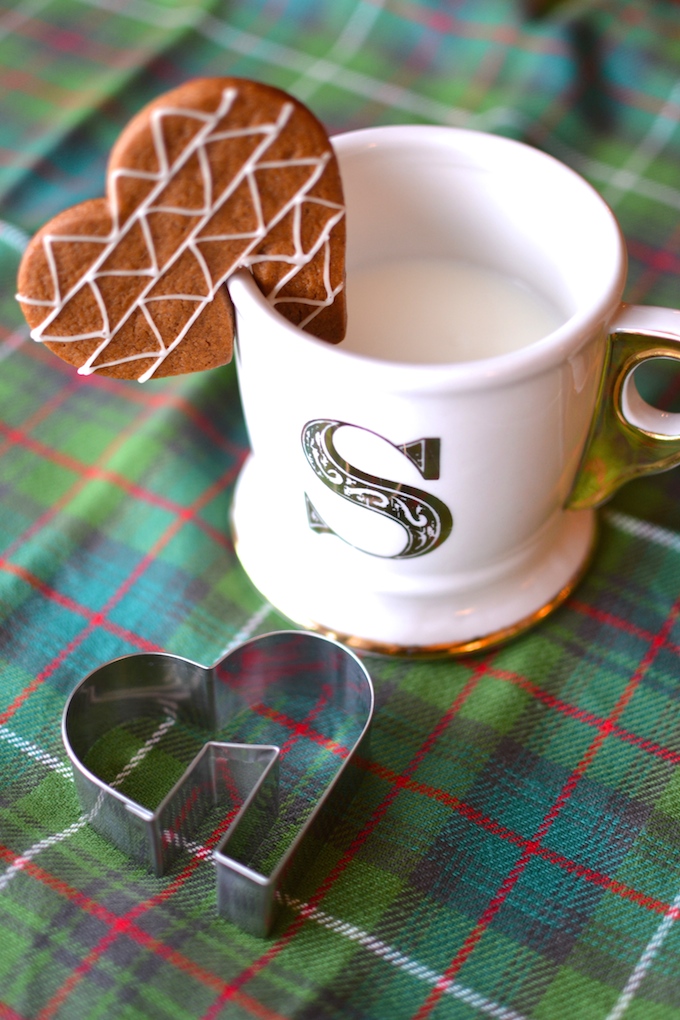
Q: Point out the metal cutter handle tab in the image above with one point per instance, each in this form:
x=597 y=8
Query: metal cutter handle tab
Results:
x=255 y=681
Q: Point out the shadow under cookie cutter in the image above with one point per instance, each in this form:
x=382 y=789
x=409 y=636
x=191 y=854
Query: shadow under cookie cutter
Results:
x=254 y=682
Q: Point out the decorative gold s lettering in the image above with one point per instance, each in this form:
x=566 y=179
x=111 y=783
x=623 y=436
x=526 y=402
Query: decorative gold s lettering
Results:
x=426 y=520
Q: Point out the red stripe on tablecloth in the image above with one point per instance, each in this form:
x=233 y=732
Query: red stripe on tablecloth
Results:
x=253 y=969
x=68 y=41
x=76 y=607
x=650 y=103
x=589 y=718
x=640 y=288
x=54 y=509
x=142 y=938
x=465 y=28
x=304 y=728
x=7 y=1013
x=14 y=79
x=496 y=828
x=658 y=259
x=40 y=414
x=533 y=845
x=300 y=729
x=134 y=393
x=204 y=423
x=88 y=472
x=122 y=926
x=617 y=622
x=98 y=617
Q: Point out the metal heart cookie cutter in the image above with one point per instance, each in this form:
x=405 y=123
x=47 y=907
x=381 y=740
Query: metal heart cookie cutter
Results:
x=259 y=748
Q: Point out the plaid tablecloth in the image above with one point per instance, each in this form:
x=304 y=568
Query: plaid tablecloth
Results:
x=514 y=850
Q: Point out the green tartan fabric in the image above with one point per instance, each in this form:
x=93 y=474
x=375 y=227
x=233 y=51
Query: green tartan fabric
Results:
x=514 y=848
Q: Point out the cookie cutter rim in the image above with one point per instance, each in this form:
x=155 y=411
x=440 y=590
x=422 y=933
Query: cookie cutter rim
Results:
x=245 y=896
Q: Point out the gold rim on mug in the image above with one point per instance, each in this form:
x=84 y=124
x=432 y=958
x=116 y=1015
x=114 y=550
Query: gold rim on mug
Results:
x=448 y=650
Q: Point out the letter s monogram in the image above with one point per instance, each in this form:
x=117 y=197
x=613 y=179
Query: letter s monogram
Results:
x=426 y=520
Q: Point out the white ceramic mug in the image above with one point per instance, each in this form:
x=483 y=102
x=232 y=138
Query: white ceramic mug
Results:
x=440 y=508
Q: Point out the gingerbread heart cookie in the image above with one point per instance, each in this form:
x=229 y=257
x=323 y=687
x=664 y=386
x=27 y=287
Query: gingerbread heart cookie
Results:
x=217 y=175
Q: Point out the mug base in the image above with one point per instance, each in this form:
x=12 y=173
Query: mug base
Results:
x=409 y=624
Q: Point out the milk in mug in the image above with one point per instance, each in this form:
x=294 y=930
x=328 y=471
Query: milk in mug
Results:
x=435 y=310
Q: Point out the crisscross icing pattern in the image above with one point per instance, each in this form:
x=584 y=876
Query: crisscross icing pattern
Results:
x=198 y=220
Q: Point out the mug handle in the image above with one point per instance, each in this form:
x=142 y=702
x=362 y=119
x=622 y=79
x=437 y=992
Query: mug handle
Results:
x=628 y=437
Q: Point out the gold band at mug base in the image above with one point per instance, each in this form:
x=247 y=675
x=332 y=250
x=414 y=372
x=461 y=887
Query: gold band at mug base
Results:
x=455 y=649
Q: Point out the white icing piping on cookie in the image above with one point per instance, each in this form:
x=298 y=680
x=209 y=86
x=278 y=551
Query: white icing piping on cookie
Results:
x=196 y=146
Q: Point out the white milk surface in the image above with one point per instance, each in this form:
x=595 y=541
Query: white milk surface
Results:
x=440 y=311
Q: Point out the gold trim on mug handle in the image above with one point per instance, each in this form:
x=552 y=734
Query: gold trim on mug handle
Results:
x=618 y=449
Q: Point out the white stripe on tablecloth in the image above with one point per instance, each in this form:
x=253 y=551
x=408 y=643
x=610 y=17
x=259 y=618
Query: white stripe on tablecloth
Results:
x=642 y=529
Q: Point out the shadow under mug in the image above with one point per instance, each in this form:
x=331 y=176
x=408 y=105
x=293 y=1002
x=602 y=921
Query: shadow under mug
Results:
x=435 y=509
